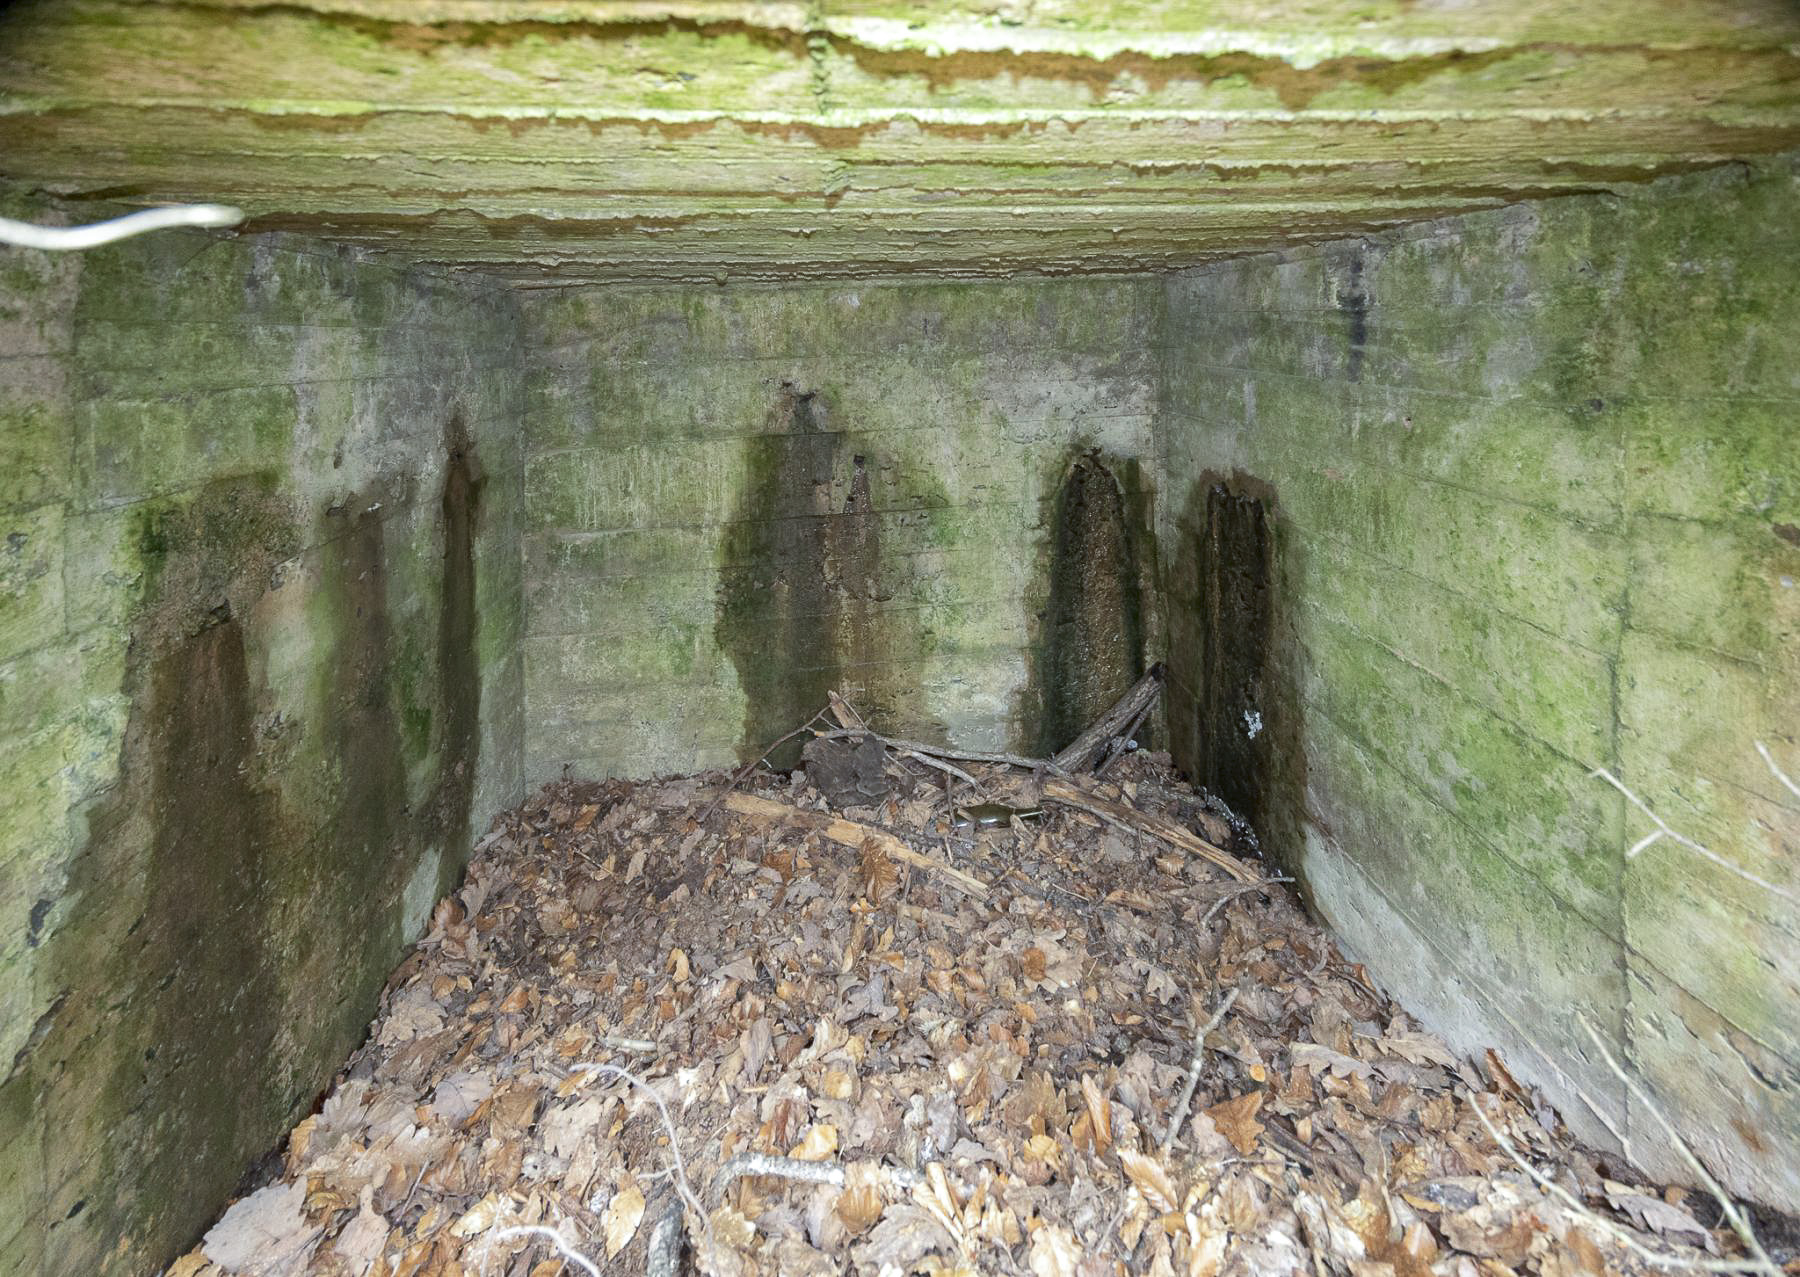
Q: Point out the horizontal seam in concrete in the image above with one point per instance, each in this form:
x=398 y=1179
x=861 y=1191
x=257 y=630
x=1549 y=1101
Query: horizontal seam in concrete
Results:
x=1451 y=959
x=658 y=446
x=1472 y=600
x=1460 y=822
x=1718 y=653
x=1001 y=601
x=1459 y=693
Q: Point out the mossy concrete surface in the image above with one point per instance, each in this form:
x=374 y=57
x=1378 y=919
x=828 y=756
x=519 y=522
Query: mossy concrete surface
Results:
x=259 y=676
x=707 y=141
x=738 y=500
x=1533 y=489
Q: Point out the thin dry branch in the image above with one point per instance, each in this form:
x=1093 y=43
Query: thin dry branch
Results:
x=939 y=751
x=1663 y=831
x=738 y=777
x=568 y=1252
x=1179 y=1116
x=681 y=1180
x=853 y=833
x=1131 y=819
x=853 y=724
x=1122 y=743
x=1139 y=696
x=1605 y=1226
x=1739 y=1224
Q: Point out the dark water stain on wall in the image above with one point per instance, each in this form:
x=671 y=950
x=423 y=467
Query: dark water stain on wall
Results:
x=776 y=610
x=804 y=596
x=153 y=1077
x=458 y=661
x=1091 y=643
x=1233 y=708
x=237 y=906
x=1354 y=299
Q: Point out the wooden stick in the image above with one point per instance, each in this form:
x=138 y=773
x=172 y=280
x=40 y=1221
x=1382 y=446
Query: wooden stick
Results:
x=939 y=751
x=853 y=833
x=738 y=777
x=1123 y=740
x=854 y=724
x=1081 y=749
x=1059 y=791
x=1193 y=1074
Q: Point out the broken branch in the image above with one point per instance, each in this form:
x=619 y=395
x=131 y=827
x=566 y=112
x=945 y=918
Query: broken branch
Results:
x=853 y=833
x=1168 y=831
x=1142 y=694
x=1193 y=1074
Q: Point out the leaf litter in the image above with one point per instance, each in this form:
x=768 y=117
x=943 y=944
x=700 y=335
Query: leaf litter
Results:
x=886 y=1044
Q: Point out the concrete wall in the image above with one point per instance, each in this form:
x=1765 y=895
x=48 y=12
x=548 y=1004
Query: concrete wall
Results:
x=259 y=681
x=703 y=560
x=1532 y=486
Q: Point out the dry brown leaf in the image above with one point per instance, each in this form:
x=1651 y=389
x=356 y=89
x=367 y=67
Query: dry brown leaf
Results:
x=1151 y=1178
x=1054 y=1252
x=266 y=1234
x=1418 y=1048
x=819 y=1143
x=1033 y=963
x=860 y=1204
x=1237 y=1122
x=623 y=1215
x=880 y=875
x=1099 y=1112
x=478 y=1218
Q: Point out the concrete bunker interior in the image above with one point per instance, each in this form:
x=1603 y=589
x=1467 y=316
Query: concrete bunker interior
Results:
x=592 y=388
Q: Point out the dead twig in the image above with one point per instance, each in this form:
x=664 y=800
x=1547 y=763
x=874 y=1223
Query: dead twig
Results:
x=1122 y=742
x=1733 y=1215
x=1133 y=820
x=681 y=1180
x=1606 y=1227
x=568 y=1252
x=1143 y=693
x=1242 y=889
x=853 y=833
x=662 y=1257
x=738 y=777
x=642 y=1046
x=1193 y=1074
x=911 y=747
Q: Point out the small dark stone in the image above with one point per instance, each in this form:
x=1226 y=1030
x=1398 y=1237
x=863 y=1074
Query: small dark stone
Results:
x=850 y=773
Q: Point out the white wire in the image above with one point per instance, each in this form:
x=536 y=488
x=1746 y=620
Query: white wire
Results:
x=62 y=238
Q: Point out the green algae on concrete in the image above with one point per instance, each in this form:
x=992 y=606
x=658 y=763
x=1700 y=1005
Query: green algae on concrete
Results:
x=750 y=141
x=1532 y=468
x=216 y=813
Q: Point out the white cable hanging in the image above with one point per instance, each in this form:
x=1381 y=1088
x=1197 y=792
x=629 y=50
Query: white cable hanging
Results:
x=63 y=238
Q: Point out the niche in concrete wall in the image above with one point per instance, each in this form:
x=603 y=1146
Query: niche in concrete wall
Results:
x=1221 y=712
x=1091 y=645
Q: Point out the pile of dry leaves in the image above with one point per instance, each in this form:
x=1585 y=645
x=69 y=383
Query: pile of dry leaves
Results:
x=957 y=1050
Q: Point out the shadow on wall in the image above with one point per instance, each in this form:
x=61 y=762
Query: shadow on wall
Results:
x=236 y=909
x=806 y=602
x=1234 y=709
x=1091 y=642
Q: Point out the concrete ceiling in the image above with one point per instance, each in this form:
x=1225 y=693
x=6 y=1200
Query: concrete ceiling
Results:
x=562 y=142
